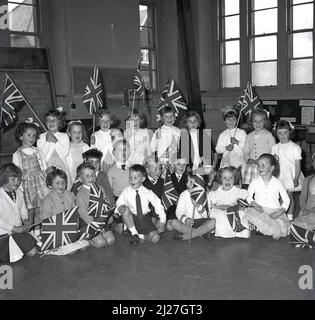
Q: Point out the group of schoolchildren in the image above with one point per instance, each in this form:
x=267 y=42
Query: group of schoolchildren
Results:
x=253 y=189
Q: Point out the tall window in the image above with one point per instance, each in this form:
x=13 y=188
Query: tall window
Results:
x=301 y=47
x=263 y=21
x=24 y=23
x=148 y=45
x=229 y=37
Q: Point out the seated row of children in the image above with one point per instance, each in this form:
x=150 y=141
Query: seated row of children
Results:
x=110 y=163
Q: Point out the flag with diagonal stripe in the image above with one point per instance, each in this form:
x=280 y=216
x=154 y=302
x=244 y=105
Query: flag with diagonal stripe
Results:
x=60 y=230
x=249 y=101
x=12 y=102
x=198 y=193
x=138 y=80
x=170 y=195
x=172 y=97
x=99 y=209
x=301 y=237
x=93 y=96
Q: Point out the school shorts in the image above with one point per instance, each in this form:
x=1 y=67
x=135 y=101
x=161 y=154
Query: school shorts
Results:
x=145 y=225
x=199 y=222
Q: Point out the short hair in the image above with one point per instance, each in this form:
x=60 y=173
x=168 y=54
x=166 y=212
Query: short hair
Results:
x=77 y=123
x=189 y=114
x=142 y=117
x=84 y=165
x=22 y=127
x=139 y=168
x=56 y=114
x=149 y=159
x=284 y=124
x=235 y=172
x=101 y=112
x=54 y=172
x=273 y=161
x=92 y=153
x=229 y=114
x=167 y=109
x=7 y=171
x=262 y=113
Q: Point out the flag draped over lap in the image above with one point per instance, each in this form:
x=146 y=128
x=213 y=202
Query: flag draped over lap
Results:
x=60 y=229
x=301 y=237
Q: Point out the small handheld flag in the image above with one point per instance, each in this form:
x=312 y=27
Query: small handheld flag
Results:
x=93 y=96
x=249 y=101
x=170 y=195
x=138 y=80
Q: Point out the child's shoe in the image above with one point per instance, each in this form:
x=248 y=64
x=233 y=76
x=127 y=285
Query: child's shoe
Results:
x=134 y=239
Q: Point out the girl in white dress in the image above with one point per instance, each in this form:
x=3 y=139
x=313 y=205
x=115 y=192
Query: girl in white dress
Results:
x=267 y=214
x=76 y=133
x=231 y=142
x=225 y=197
x=53 y=144
x=138 y=137
x=165 y=140
x=289 y=155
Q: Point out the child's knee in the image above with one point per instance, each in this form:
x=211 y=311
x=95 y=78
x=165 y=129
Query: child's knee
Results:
x=98 y=241
x=154 y=237
x=32 y=253
x=211 y=224
x=169 y=226
x=109 y=238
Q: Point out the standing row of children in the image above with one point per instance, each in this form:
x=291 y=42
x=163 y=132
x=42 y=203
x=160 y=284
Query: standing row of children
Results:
x=58 y=173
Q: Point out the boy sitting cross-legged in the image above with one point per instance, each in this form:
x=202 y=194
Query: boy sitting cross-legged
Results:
x=133 y=206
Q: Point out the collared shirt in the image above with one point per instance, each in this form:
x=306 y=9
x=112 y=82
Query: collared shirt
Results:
x=128 y=198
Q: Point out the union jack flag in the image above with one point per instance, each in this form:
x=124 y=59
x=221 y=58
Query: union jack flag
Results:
x=198 y=192
x=61 y=229
x=138 y=80
x=98 y=204
x=93 y=96
x=234 y=219
x=170 y=195
x=172 y=97
x=12 y=102
x=101 y=212
x=300 y=237
x=249 y=101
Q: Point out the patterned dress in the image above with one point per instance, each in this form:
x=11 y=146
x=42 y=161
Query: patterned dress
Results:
x=33 y=178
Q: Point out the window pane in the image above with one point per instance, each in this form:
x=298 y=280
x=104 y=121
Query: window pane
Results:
x=300 y=1
x=264 y=48
x=262 y=4
x=231 y=7
x=302 y=44
x=260 y=19
x=146 y=39
x=231 y=52
x=303 y=16
x=21 y=18
x=145 y=16
x=264 y=73
x=232 y=27
x=24 y=41
x=230 y=76
x=301 y=71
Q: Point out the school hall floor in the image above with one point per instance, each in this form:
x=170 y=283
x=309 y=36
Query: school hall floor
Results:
x=258 y=268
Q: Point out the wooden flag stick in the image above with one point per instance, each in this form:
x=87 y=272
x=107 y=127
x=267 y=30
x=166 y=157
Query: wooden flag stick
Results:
x=191 y=227
x=133 y=102
x=93 y=123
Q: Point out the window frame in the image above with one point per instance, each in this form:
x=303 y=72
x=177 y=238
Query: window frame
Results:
x=290 y=32
x=37 y=23
x=222 y=41
x=152 y=51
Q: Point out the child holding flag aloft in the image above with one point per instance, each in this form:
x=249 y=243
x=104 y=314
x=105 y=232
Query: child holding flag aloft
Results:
x=191 y=211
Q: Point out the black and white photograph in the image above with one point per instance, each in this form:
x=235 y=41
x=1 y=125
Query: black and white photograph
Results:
x=157 y=154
